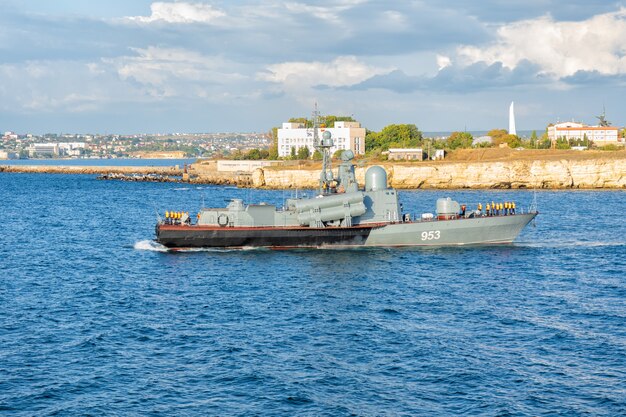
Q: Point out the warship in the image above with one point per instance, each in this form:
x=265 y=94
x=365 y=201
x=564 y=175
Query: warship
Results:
x=341 y=215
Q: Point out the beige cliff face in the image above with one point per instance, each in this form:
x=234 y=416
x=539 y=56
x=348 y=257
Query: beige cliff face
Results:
x=549 y=174
x=553 y=170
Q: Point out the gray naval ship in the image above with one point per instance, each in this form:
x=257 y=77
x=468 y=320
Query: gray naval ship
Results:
x=341 y=215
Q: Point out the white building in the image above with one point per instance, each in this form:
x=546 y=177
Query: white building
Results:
x=51 y=149
x=8 y=155
x=599 y=135
x=72 y=148
x=9 y=136
x=405 y=154
x=345 y=135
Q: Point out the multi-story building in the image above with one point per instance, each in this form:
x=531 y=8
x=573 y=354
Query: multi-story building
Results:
x=37 y=149
x=599 y=135
x=8 y=155
x=72 y=148
x=346 y=135
x=9 y=136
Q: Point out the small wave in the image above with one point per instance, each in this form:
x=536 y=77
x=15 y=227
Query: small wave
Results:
x=239 y=249
x=150 y=245
x=182 y=189
x=570 y=244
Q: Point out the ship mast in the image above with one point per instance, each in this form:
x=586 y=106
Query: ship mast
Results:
x=323 y=145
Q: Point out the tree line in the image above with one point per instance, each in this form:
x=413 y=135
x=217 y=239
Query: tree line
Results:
x=409 y=136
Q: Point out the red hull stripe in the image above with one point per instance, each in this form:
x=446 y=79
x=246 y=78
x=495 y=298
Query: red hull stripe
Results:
x=179 y=227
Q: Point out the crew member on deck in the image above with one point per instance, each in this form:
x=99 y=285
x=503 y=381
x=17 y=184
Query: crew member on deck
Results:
x=487 y=209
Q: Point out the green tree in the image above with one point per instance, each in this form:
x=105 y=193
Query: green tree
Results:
x=328 y=120
x=533 y=139
x=273 y=151
x=501 y=136
x=497 y=135
x=303 y=120
x=562 y=143
x=317 y=155
x=293 y=152
x=253 y=154
x=404 y=135
x=304 y=153
x=459 y=140
x=371 y=140
x=545 y=142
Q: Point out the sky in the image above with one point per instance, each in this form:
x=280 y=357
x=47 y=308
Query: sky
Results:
x=119 y=66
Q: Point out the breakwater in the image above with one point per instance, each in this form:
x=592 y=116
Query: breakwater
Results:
x=139 y=177
x=102 y=170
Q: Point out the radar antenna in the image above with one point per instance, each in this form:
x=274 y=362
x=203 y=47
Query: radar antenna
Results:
x=323 y=146
x=602 y=119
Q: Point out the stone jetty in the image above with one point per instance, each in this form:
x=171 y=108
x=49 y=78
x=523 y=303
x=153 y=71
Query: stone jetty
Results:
x=139 y=177
x=102 y=170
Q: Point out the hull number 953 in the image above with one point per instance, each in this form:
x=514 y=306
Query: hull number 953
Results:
x=432 y=235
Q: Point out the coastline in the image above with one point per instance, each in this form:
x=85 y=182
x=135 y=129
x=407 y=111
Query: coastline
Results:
x=465 y=170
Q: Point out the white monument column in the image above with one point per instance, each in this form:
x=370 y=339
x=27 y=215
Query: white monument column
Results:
x=512 y=120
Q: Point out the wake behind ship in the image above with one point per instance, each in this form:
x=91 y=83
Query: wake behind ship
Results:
x=341 y=215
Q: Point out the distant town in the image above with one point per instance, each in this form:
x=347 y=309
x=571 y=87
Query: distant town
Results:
x=295 y=140
x=22 y=146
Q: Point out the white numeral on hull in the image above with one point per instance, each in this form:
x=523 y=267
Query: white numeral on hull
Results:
x=432 y=235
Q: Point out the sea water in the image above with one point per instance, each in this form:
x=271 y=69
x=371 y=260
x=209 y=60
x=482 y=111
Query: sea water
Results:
x=96 y=319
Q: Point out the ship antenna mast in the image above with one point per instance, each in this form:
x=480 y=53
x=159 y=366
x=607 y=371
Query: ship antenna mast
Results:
x=323 y=145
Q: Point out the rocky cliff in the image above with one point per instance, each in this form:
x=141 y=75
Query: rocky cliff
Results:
x=594 y=172
x=551 y=174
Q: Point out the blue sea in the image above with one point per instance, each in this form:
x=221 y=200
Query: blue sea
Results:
x=95 y=319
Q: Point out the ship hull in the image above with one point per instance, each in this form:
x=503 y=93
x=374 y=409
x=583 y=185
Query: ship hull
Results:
x=464 y=231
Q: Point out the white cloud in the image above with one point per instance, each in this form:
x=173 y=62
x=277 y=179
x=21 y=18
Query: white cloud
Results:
x=156 y=66
x=328 y=13
x=47 y=86
x=560 y=49
x=180 y=12
x=443 y=61
x=341 y=72
x=175 y=72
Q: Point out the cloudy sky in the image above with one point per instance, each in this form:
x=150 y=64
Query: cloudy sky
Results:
x=120 y=66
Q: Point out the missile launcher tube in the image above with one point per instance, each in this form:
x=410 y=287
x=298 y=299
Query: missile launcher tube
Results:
x=328 y=201
x=331 y=213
